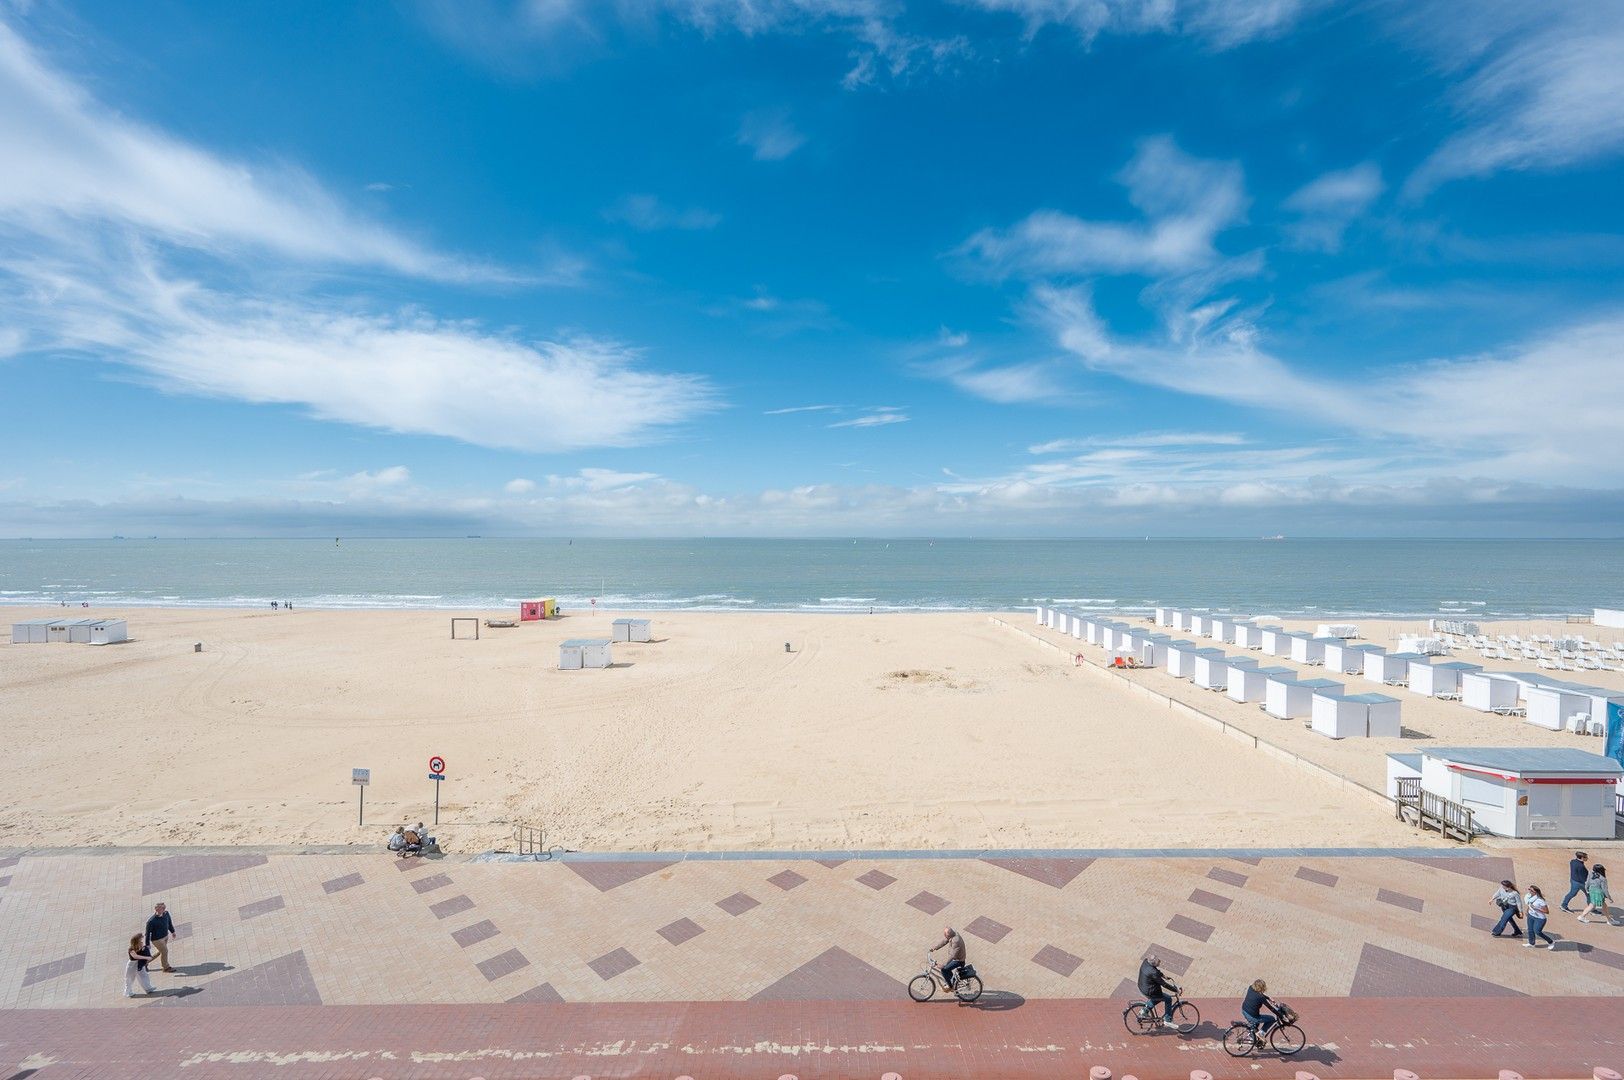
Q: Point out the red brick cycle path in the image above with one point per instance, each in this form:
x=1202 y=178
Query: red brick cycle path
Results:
x=1011 y=1038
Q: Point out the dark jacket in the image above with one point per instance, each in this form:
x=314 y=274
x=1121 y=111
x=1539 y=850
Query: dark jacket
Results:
x=159 y=927
x=1578 y=873
x=1151 y=979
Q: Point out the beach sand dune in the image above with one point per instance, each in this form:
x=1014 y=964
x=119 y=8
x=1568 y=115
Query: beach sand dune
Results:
x=884 y=731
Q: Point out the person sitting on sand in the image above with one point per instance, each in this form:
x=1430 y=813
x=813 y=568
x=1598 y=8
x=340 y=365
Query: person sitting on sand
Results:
x=414 y=843
x=424 y=838
x=397 y=839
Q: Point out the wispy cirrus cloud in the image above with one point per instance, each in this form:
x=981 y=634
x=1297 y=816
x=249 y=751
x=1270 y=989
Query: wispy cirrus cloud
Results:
x=98 y=213
x=73 y=161
x=648 y=214
x=1329 y=203
x=1222 y=23
x=769 y=134
x=1143 y=439
x=876 y=416
x=1186 y=202
x=801 y=409
x=1536 y=86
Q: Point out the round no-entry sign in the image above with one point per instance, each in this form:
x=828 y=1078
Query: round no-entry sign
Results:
x=437 y=764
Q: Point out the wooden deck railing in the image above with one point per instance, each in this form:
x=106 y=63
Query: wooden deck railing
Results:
x=1427 y=810
x=530 y=840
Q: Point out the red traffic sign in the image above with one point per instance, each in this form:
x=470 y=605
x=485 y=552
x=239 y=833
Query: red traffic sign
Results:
x=437 y=764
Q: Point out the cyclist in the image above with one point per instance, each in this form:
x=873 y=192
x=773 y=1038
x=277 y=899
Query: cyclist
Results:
x=1154 y=985
x=1258 y=999
x=954 y=944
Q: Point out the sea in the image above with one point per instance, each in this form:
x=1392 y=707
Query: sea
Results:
x=1463 y=579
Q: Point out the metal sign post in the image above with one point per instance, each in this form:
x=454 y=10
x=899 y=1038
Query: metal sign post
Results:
x=361 y=778
x=437 y=773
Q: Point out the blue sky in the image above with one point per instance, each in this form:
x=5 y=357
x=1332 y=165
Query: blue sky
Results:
x=790 y=267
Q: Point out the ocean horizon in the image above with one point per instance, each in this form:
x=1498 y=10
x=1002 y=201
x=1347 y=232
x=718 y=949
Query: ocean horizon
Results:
x=1301 y=577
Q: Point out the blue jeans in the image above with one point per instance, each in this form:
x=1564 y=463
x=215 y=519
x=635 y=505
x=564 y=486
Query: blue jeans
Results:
x=1261 y=1024
x=1575 y=888
x=1167 y=1004
x=1508 y=916
x=950 y=971
x=1536 y=929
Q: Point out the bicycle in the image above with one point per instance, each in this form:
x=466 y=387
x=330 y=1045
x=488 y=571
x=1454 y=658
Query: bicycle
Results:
x=1284 y=1038
x=1141 y=1017
x=967 y=987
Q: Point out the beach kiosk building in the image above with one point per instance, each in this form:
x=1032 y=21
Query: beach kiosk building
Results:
x=1356 y=716
x=578 y=653
x=631 y=630
x=535 y=610
x=1436 y=680
x=1529 y=792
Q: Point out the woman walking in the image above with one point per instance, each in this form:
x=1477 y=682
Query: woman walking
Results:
x=1538 y=911
x=1597 y=895
x=1509 y=901
x=136 y=970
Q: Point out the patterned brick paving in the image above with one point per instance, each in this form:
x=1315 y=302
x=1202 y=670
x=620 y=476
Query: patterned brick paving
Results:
x=1054 y=939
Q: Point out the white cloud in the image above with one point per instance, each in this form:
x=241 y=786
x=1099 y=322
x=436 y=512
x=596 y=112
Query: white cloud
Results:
x=1186 y=201
x=877 y=417
x=769 y=134
x=1327 y=205
x=71 y=159
x=519 y=486
x=1539 y=88
x=889 y=53
x=1528 y=413
x=393 y=476
x=1007 y=384
x=648 y=214
x=800 y=409
x=1144 y=439
x=1222 y=23
x=400 y=371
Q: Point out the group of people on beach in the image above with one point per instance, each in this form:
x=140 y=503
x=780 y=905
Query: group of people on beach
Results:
x=1583 y=881
x=405 y=842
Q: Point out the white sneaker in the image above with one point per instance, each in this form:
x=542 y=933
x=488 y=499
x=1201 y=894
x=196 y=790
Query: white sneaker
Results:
x=1528 y=944
x=1551 y=946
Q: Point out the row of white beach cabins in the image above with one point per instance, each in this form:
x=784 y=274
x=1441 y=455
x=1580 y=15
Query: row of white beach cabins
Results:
x=1330 y=709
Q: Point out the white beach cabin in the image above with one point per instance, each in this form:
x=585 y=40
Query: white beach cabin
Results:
x=1200 y=623
x=1249 y=635
x=633 y=630
x=1389 y=668
x=1307 y=650
x=1212 y=668
x=1164 y=616
x=1251 y=683
x=1296 y=698
x=578 y=653
x=1345 y=658
x=1181 y=658
x=30 y=631
x=1488 y=692
x=1275 y=641
x=1553 y=707
x=1356 y=716
x=1531 y=792
x=1436 y=680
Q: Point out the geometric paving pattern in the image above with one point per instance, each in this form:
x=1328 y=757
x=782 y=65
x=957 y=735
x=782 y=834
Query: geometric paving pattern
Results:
x=168 y=874
x=1385 y=973
x=1057 y=873
x=286 y=980
x=833 y=975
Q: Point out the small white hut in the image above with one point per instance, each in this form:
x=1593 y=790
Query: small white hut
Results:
x=1212 y=668
x=1181 y=658
x=1249 y=635
x=632 y=630
x=1275 y=641
x=1542 y=792
x=1251 y=683
x=1389 y=668
x=1555 y=707
x=578 y=653
x=1487 y=692
x=1436 y=680
x=1345 y=658
x=1356 y=716
x=1307 y=650
x=1287 y=697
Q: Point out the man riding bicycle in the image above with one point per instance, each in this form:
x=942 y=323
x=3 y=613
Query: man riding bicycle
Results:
x=954 y=944
x=1154 y=985
x=1258 y=999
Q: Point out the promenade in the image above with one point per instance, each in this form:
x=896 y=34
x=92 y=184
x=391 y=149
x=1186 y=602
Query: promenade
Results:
x=363 y=965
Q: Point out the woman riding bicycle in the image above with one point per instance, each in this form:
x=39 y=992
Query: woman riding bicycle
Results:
x=1257 y=999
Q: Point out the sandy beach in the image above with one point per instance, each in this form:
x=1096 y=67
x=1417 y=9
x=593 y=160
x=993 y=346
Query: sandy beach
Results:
x=884 y=731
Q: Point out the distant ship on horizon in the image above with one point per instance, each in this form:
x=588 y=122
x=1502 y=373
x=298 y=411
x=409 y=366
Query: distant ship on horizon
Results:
x=1277 y=536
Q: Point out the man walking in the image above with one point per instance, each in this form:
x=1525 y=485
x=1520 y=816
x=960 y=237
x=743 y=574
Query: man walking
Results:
x=160 y=931
x=1578 y=874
